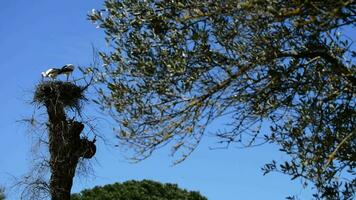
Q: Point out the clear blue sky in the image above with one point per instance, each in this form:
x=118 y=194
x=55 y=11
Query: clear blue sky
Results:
x=36 y=34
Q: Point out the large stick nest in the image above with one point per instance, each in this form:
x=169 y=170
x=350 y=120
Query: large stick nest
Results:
x=66 y=93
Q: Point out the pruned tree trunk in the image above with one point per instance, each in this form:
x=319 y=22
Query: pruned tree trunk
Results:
x=65 y=144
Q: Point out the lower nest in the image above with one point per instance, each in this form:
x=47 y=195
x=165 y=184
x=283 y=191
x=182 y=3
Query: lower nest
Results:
x=66 y=93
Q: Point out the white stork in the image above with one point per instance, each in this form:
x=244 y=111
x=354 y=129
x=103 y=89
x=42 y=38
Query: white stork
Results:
x=67 y=70
x=51 y=73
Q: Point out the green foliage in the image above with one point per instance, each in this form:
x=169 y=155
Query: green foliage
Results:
x=2 y=195
x=175 y=66
x=138 y=190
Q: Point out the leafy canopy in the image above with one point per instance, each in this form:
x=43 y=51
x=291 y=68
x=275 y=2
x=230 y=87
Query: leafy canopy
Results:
x=134 y=190
x=176 y=65
x=2 y=195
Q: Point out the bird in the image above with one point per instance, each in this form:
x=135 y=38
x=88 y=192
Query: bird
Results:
x=67 y=70
x=51 y=73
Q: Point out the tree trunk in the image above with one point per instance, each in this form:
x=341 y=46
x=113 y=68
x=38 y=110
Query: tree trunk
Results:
x=65 y=148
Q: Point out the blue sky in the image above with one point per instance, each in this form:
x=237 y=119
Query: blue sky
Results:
x=37 y=34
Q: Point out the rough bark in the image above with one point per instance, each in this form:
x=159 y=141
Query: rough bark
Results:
x=65 y=148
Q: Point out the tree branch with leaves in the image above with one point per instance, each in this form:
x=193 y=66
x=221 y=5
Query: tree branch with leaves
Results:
x=173 y=67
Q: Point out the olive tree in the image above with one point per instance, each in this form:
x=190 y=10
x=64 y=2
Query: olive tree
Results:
x=174 y=66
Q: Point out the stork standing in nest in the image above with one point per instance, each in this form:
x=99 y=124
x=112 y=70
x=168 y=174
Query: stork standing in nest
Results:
x=51 y=73
x=67 y=70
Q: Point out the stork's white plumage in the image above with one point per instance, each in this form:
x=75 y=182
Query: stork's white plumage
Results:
x=51 y=73
x=67 y=70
